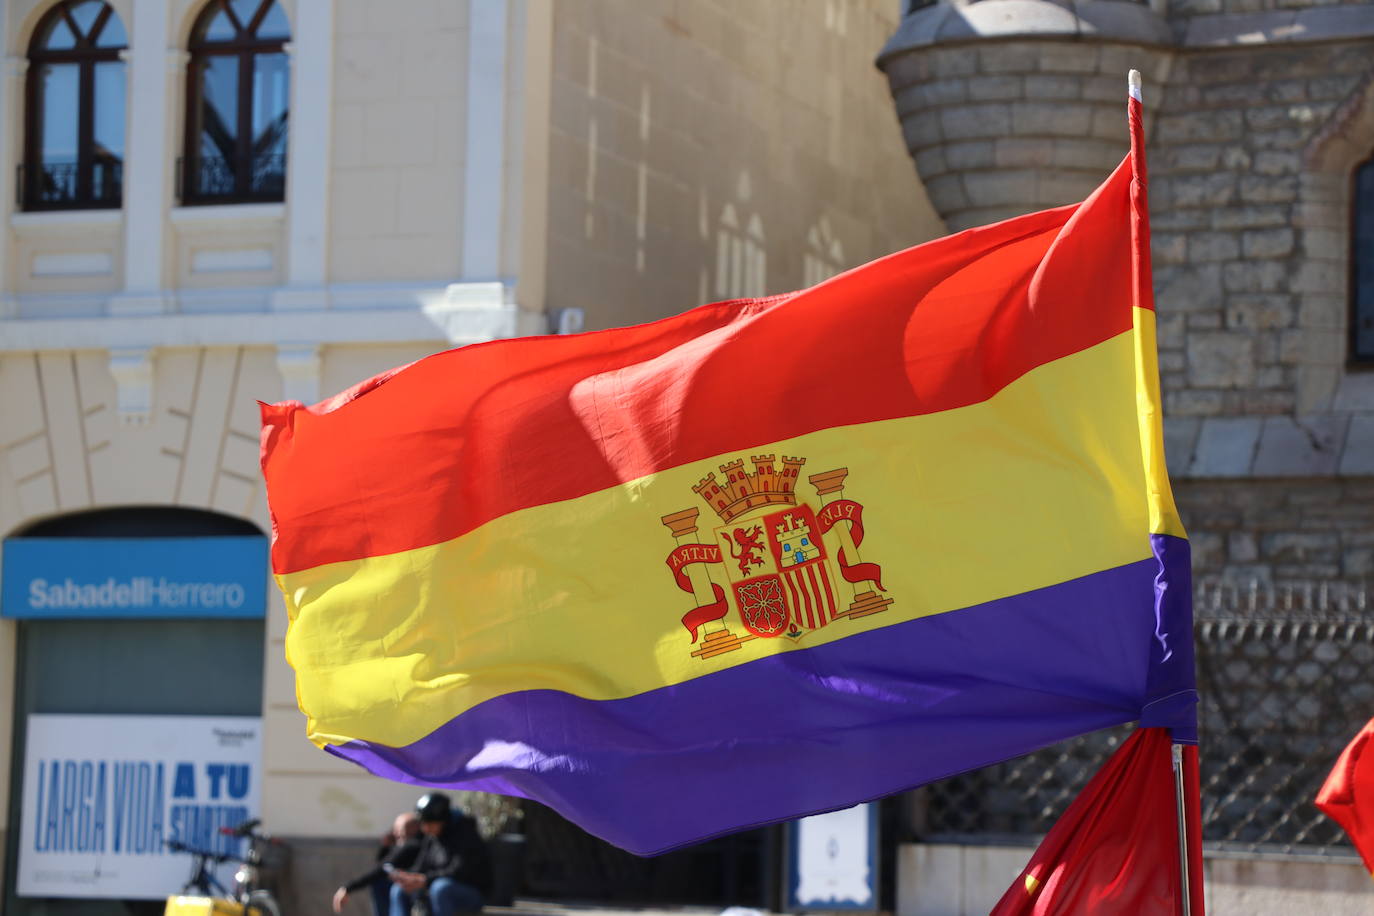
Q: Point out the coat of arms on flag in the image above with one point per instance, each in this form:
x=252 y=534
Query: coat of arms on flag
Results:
x=791 y=566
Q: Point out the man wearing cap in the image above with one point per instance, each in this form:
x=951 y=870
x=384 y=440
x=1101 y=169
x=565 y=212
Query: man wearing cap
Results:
x=451 y=870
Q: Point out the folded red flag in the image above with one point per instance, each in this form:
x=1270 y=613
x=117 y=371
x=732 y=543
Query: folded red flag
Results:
x=1115 y=850
x=1348 y=795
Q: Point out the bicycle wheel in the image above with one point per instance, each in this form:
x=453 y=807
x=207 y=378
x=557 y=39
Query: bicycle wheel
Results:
x=261 y=903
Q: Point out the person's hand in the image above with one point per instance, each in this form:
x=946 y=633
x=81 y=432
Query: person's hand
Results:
x=409 y=881
x=340 y=898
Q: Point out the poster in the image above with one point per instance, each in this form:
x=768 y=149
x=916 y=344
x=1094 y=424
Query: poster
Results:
x=103 y=795
x=833 y=861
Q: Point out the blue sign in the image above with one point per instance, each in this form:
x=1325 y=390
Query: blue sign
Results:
x=134 y=577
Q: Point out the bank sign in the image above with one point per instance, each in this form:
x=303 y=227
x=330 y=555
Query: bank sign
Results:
x=104 y=795
x=134 y=577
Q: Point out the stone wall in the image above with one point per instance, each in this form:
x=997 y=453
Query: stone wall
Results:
x=1250 y=255
x=1015 y=126
x=1269 y=431
x=708 y=150
x=1275 y=530
x=1182 y=11
x=397 y=145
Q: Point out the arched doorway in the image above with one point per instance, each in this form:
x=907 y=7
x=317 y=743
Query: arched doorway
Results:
x=139 y=659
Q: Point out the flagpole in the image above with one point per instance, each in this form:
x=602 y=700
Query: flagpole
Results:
x=1180 y=799
x=1181 y=805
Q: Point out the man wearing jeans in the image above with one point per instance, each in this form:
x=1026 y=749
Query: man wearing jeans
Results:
x=451 y=870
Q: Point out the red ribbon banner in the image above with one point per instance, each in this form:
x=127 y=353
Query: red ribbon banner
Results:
x=687 y=555
x=846 y=510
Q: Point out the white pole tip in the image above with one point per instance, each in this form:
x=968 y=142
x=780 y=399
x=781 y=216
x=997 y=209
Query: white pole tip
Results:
x=1133 y=84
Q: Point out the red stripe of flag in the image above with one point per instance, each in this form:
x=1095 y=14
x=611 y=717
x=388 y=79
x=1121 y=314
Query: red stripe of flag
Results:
x=422 y=455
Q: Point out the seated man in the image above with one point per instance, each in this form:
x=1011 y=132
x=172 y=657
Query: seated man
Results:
x=451 y=870
x=397 y=848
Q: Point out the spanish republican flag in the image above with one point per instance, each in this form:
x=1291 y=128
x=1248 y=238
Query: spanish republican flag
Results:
x=1347 y=797
x=766 y=558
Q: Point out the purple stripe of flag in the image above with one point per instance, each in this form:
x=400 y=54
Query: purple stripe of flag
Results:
x=848 y=721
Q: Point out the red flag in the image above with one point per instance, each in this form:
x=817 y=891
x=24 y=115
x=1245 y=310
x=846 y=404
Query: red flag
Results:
x=1348 y=795
x=1115 y=850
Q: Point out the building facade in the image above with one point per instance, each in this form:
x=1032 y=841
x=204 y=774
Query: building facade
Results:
x=1260 y=137
x=204 y=203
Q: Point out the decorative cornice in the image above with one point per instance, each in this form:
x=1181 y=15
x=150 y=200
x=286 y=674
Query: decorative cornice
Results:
x=1244 y=447
x=460 y=313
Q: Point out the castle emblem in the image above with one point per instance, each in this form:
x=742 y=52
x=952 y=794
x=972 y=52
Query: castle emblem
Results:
x=777 y=566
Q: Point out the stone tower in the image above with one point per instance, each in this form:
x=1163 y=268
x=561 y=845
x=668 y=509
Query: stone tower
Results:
x=1259 y=113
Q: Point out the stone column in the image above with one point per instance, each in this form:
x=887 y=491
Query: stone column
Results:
x=147 y=178
x=716 y=634
x=12 y=75
x=865 y=598
x=307 y=158
x=830 y=487
x=484 y=177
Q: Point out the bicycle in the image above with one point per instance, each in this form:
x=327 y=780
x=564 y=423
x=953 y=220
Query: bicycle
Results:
x=252 y=899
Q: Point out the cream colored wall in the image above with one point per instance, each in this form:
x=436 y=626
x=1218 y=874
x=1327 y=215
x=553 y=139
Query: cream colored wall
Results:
x=75 y=255
x=7 y=656
x=396 y=171
x=62 y=449
x=664 y=114
x=66 y=451
x=529 y=186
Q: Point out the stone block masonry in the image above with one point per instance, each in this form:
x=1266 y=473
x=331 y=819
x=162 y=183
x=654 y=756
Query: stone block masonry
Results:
x=1274 y=531
x=1227 y=188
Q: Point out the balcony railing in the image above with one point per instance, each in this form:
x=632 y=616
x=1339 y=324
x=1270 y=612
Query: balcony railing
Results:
x=69 y=186
x=219 y=180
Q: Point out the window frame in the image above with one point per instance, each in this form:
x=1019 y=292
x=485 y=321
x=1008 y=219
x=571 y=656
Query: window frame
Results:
x=85 y=54
x=244 y=46
x=1355 y=359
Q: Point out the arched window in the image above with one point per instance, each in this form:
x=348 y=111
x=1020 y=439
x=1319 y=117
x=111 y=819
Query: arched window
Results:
x=74 y=130
x=1362 y=265
x=237 y=96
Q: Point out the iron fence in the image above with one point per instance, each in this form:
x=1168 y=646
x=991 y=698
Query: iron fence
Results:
x=1284 y=677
